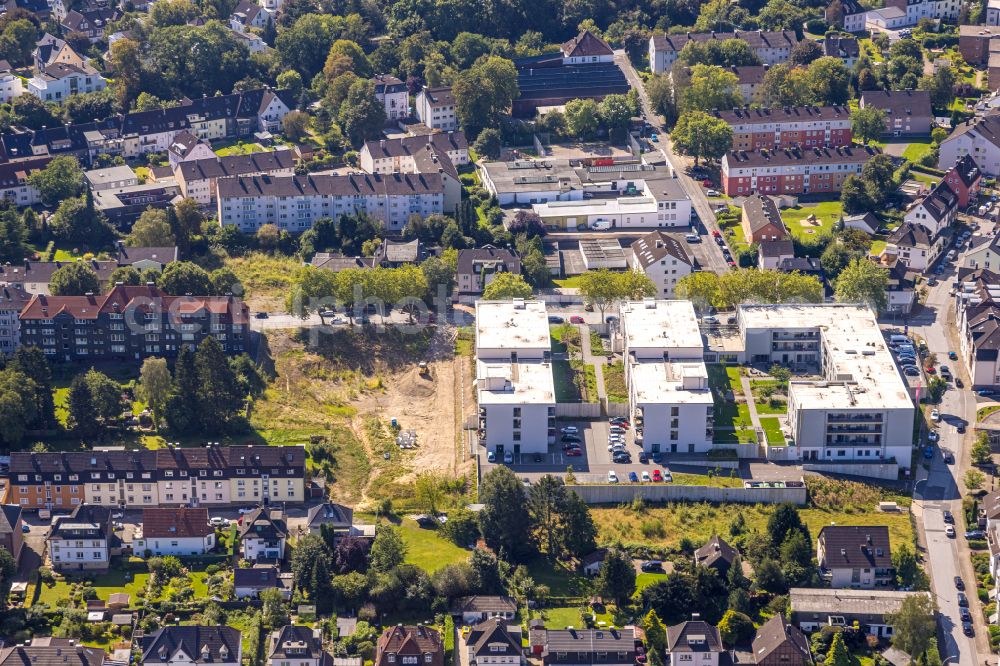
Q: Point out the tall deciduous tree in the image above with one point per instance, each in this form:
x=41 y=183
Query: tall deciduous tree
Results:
x=361 y=115
x=74 y=279
x=582 y=118
x=711 y=87
x=152 y=229
x=914 y=625
x=484 y=92
x=155 y=384
x=61 y=179
x=32 y=363
x=699 y=135
x=505 y=286
x=863 y=281
x=82 y=413
x=867 y=124
x=183 y=277
x=502 y=520
x=388 y=550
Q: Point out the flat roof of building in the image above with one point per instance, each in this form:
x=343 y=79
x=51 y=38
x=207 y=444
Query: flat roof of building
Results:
x=515 y=324
x=110 y=175
x=551 y=174
x=652 y=324
x=526 y=383
x=619 y=206
x=861 y=373
x=845 y=601
x=657 y=382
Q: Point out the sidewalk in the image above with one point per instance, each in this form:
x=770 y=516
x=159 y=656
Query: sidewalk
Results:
x=598 y=362
x=751 y=403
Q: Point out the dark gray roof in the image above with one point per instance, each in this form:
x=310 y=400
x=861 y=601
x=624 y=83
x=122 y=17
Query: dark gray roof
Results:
x=185 y=142
x=983 y=324
x=294 y=642
x=804 y=156
x=693 y=636
x=9 y=518
x=387 y=83
x=941 y=201
x=589 y=640
x=715 y=550
x=801 y=264
x=409 y=145
x=13 y=298
x=853 y=546
x=263 y=523
x=910 y=235
x=223 y=644
x=777 y=632
x=468 y=260
x=237 y=165
x=491 y=638
x=778 y=248
x=438 y=97
x=338 y=262
x=793 y=114
x=915 y=103
x=51 y=655
x=987 y=127
x=967 y=170
x=594 y=557
x=88 y=521
x=130 y=255
x=318 y=185
x=656 y=245
x=755 y=38
x=760 y=211
x=841 y=47
x=261 y=577
x=484 y=604
x=329 y=513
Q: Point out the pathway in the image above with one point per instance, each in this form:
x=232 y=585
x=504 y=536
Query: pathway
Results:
x=751 y=403
x=598 y=362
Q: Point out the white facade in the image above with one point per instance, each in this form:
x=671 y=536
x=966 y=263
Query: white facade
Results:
x=255 y=548
x=980 y=143
x=861 y=412
x=665 y=207
x=993 y=12
x=435 y=107
x=10 y=87
x=180 y=546
x=665 y=274
x=514 y=385
x=50 y=89
x=79 y=555
x=666 y=376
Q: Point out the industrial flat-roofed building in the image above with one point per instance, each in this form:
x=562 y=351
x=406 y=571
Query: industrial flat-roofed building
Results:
x=514 y=384
x=860 y=410
x=666 y=376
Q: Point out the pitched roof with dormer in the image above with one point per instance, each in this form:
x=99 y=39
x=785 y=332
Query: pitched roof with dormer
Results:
x=198 y=644
x=693 y=636
x=777 y=632
x=491 y=638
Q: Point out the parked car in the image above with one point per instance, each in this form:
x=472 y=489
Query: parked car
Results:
x=707 y=182
x=651 y=566
x=692 y=238
x=218 y=521
x=645 y=476
x=261 y=315
x=959 y=583
x=975 y=534
x=930 y=370
x=569 y=430
x=948 y=517
x=574 y=453
x=949 y=531
x=556 y=319
x=491 y=457
x=508 y=458
x=716 y=234
x=968 y=629
x=933 y=436
x=965 y=614
x=935 y=415
x=633 y=477
x=712 y=193
x=643 y=458
x=657 y=476
x=616 y=429
x=612 y=476
x=953 y=356
x=949 y=457
x=928 y=452
x=622 y=458
x=960 y=428
x=576 y=319
x=709 y=319
x=25 y=528
x=911 y=371
x=985 y=392
x=963 y=601
x=571 y=439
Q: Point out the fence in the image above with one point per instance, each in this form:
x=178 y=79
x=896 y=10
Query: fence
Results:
x=578 y=410
x=625 y=493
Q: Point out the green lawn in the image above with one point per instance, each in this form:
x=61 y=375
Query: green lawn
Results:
x=877 y=247
x=427 y=549
x=986 y=411
x=916 y=150
x=614 y=382
x=562 y=617
x=644 y=580
x=772 y=429
x=563 y=376
x=560 y=579
x=240 y=148
x=572 y=282
x=826 y=212
x=722 y=480
x=765 y=407
x=725 y=377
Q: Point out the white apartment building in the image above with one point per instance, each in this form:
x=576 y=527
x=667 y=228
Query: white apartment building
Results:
x=514 y=385
x=659 y=203
x=771 y=47
x=293 y=203
x=198 y=179
x=435 y=107
x=10 y=83
x=263 y=534
x=81 y=541
x=13 y=298
x=59 y=81
x=440 y=154
x=861 y=410
x=666 y=376
x=174 y=531
x=979 y=137
x=663 y=259
x=391 y=92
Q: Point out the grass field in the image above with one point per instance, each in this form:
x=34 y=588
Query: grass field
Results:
x=986 y=411
x=916 y=150
x=572 y=282
x=772 y=429
x=722 y=480
x=240 y=148
x=725 y=377
x=614 y=382
x=826 y=212
x=265 y=278
x=877 y=247
x=427 y=549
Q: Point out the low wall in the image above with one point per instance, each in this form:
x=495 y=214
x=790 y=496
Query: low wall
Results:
x=617 y=409
x=657 y=492
x=578 y=410
x=782 y=453
x=886 y=471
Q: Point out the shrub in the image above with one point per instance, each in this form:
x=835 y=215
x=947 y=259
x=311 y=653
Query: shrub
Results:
x=653 y=529
x=816 y=26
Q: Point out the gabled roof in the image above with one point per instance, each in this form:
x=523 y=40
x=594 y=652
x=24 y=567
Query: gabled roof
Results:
x=967 y=170
x=983 y=323
x=185 y=142
x=789 y=114
x=940 y=202
x=910 y=235
x=777 y=248
x=916 y=103
x=841 y=47
x=179 y=523
x=52 y=655
x=294 y=642
x=258 y=577
x=334 y=261
x=387 y=83
x=590 y=640
x=236 y=165
x=799 y=156
x=222 y=644
x=586 y=44
x=777 y=632
x=756 y=38
x=87 y=521
x=10 y=515
x=853 y=546
x=491 y=638
x=262 y=523
x=594 y=557
x=760 y=211
x=468 y=259
x=127 y=298
x=715 y=550
x=657 y=245
x=330 y=513
x=438 y=97
x=128 y=255
x=693 y=636
x=409 y=639
x=484 y=603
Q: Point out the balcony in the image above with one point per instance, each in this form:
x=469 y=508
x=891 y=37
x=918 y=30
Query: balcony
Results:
x=855 y=418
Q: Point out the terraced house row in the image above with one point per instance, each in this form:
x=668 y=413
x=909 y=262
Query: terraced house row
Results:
x=211 y=476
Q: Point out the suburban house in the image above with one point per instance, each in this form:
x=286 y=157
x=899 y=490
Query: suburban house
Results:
x=788 y=127
x=478 y=266
x=171 y=476
x=694 y=641
x=868 y=610
x=435 y=108
x=866 y=222
x=52 y=653
x=123 y=206
x=335 y=517
x=772 y=254
x=717 y=554
x=494 y=642
x=262 y=534
x=855 y=557
x=771 y=48
x=46 y=322
x=249 y=14
x=83 y=540
x=183 y=531
x=761 y=220
x=91 y=21
x=584 y=68
x=662 y=259
x=11 y=534
x=298 y=645
x=515 y=389
x=914 y=246
x=146 y=258
x=34 y=276
x=977 y=137
x=780 y=643
x=409 y=645
x=58 y=81
x=847 y=14
x=584 y=647
x=902 y=289
x=978 y=313
x=666 y=377
x=591 y=563
x=248 y=583
x=480 y=608
x=10 y=83
x=792 y=170
x=907 y=112
x=192 y=645
x=392 y=94
x=936 y=211
x=186 y=147
x=963 y=178
x=393 y=253
x=13 y=298
x=846 y=48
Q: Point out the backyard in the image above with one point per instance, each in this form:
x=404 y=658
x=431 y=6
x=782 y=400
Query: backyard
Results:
x=427 y=549
x=826 y=213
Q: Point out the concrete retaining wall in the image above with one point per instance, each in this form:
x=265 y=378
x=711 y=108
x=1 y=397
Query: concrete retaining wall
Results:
x=782 y=453
x=617 y=409
x=625 y=493
x=887 y=471
x=578 y=410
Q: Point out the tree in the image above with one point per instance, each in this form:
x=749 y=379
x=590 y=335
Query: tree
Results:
x=13 y=236
x=155 y=384
x=839 y=655
x=361 y=115
x=273 y=612
x=783 y=521
x=32 y=363
x=784 y=85
x=61 y=179
x=311 y=571
x=582 y=118
x=701 y=288
x=736 y=628
x=699 y=135
x=388 y=550
x=863 y=281
x=82 y=418
x=183 y=277
x=656 y=635
x=973 y=479
x=908 y=572
x=74 y=279
x=295 y=123
x=913 y=625
x=940 y=86
x=505 y=286
x=218 y=398
x=981 y=453
x=804 y=53
x=829 y=81
x=577 y=533
x=105 y=395
x=18 y=405
x=428 y=491
x=268 y=236
x=867 y=124
x=487 y=143
x=152 y=229
x=854 y=196
x=616 y=579
x=602 y=288
x=615 y=112
x=484 y=92
x=8 y=567
x=501 y=520
x=711 y=87
x=76 y=221
x=544 y=500
x=879 y=176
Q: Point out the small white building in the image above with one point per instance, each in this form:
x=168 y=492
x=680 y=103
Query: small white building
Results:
x=435 y=107
x=296 y=645
x=248 y=583
x=61 y=80
x=495 y=642
x=936 y=211
x=482 y=607
x=111 y=177
x=391 y=92
x=10 y=83
x=263 y=534
x=174 y=531
x=663 y=260
x=666 y=376
x=646 y=204
x=81 y=541
x=514 y=384
x=694 y=642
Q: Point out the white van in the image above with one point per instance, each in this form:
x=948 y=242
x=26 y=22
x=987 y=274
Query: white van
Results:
x=600 y=225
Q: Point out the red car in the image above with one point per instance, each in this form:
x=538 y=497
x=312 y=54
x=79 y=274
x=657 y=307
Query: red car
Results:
x=732 y=264
x=930 y=370
x=657 y=476
x=574 y=452
x=707 y=182
x=717 y=234
x=576 y=319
